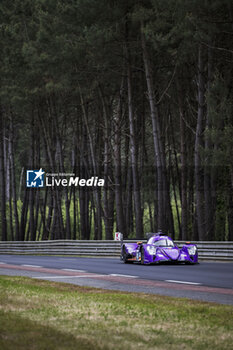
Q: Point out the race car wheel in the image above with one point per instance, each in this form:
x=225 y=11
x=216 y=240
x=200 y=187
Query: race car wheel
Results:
x=142 y=256
x=124 y=256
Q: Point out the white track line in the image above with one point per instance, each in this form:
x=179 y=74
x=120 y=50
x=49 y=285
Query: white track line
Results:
x=183 y=282
x=31 y=265
x=73 y=270
x=63 y=277
x=118 y=275
x=2 y=263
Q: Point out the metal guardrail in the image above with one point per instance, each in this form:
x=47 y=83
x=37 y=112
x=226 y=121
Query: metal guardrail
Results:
x=217 y=251
x=62 y=247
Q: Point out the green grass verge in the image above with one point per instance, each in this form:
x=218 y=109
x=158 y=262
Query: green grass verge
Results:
x=36 y=314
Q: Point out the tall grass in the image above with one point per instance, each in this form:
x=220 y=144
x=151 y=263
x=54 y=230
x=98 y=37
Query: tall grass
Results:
x=37 y=314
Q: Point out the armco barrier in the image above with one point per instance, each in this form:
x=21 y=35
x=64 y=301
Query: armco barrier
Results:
x=62 y=247
x=218 y=251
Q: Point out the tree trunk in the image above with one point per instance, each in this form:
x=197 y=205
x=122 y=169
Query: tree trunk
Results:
x=96 y=193
x=163 y=194
x=174 y=192
x=13 y=183
x=108 y=194
x=67 y=233
x=32 y=219
x=209 y=171
x=10 y=197
x=198 y=143
x=2 y=182
x=183 y=159
x=230 y=207
x=24 y=215
x=120 y=217
x=129 y=204
x=73 y=191
x=32 y=190
x=48 y=221
x=133 y=152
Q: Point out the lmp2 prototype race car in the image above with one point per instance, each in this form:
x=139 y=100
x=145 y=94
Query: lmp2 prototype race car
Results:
x=159 y=248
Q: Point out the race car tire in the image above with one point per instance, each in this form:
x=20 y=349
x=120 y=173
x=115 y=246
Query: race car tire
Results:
x=124 y=258
x=142 y=256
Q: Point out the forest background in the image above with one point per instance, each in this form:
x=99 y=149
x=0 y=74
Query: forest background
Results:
x=136 y=92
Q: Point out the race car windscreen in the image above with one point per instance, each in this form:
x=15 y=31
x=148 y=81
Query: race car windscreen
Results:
x=160 y=242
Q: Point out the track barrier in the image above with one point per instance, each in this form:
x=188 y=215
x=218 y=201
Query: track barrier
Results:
x=215 y=251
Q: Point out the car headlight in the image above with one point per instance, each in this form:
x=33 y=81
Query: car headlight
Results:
x=151 y=250
x=192 y=250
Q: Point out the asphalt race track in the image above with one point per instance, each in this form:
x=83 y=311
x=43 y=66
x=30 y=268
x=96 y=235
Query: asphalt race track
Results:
x=207 y=281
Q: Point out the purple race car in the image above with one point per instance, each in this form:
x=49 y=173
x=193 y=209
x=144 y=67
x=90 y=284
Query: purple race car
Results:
x=159 y=248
